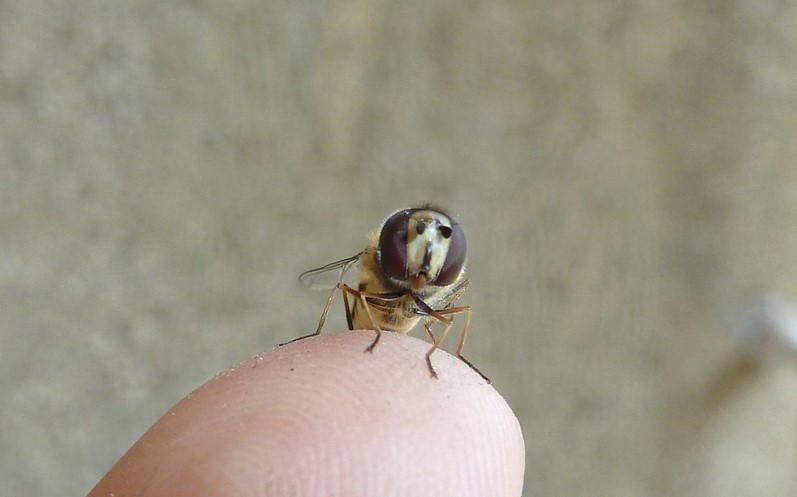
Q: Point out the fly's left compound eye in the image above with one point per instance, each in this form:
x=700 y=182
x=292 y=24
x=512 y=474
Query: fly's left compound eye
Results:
x=455 y=258
x=392 y=250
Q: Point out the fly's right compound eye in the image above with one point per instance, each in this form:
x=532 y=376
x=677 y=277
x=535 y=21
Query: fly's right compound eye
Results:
x=455 y=258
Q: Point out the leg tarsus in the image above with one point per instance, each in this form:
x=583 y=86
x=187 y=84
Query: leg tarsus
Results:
x=429 y=364
x=299 y=338
x=370 y=348
x=462 y=358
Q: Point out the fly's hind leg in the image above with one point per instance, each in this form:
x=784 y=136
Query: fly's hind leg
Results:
x=349 y=320
x=324 y=314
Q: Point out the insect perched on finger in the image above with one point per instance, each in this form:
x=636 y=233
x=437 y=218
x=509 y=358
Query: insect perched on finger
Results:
x=412 y=270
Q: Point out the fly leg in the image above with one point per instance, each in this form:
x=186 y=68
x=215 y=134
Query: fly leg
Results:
x=348 y=308
x=428 y=327
x=436 y=343
x=447 y=322
x=463 y=334
x=361 y=298
x=324 y=314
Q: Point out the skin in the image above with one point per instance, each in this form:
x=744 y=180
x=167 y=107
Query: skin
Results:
x=319 y=417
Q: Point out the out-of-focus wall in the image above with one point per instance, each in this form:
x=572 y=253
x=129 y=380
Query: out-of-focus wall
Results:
x=625 y=172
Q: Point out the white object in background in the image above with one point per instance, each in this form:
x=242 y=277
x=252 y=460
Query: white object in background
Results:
x=769 y=326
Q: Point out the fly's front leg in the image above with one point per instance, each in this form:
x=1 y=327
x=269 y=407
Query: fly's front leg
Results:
x=424 y=309
x=364 y=303
x=428 y=327
x=436 y=343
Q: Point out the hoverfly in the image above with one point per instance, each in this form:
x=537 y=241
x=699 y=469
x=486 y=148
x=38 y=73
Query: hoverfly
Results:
x=412 y=270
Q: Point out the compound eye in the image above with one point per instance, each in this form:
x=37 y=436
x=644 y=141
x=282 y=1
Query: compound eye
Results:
x=392 y=249
x=455 y=258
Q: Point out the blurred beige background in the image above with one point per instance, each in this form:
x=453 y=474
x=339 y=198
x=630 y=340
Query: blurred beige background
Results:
x=625 y=172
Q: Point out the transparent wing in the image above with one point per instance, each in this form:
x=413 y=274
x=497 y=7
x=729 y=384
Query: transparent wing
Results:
x=325 y=277
x=448 y=300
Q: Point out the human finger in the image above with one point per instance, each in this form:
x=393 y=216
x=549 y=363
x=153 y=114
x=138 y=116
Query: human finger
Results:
x=320 y=417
